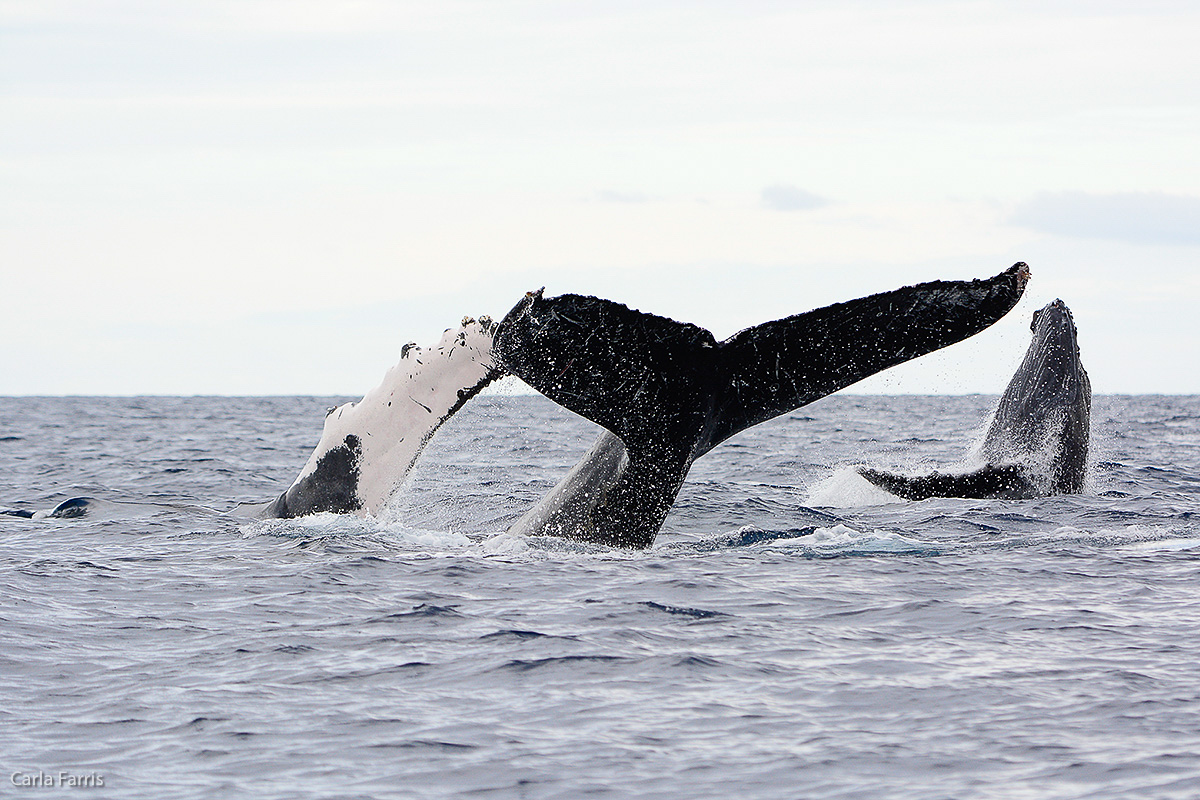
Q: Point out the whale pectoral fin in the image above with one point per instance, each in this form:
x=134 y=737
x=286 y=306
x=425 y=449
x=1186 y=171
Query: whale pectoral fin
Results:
x=776 y=367
x=902 y=485
x=990 y=482
x=602 y=360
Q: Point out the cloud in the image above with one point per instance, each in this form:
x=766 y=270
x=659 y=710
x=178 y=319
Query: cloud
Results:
x=1138 y=217
x=609 y=196
x=785 y=197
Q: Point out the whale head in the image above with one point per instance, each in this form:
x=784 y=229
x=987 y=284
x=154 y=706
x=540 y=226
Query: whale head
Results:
x=1043 y=417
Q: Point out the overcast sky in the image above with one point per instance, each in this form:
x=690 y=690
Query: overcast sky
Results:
x=255 y=197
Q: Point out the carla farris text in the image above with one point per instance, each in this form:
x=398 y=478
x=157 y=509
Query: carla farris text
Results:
x=27 y=780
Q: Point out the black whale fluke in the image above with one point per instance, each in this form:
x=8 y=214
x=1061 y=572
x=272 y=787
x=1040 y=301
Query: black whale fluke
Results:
x=671 y=392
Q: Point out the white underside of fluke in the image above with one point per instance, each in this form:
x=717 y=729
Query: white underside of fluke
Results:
x=395 y=420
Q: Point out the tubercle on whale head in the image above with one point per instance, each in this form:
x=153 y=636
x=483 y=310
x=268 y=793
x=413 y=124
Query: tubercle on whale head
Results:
x=1053 y=329
x=1053 y=313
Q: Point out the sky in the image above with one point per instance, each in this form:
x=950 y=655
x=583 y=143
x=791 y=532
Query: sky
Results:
x=269 y=197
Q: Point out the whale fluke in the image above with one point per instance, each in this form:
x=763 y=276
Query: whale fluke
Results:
x=670 y=392
x=779 y=366
x=367 y=448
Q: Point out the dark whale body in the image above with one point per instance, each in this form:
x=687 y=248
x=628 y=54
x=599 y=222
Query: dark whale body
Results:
x=1037 y=442
x=668 y=392
x=67 y=509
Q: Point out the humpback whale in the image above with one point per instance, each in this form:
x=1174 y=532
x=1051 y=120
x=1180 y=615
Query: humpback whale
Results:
x=1037 y=442
x=667 y=392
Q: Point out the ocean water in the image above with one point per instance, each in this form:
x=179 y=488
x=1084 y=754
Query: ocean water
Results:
x=792 y=634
